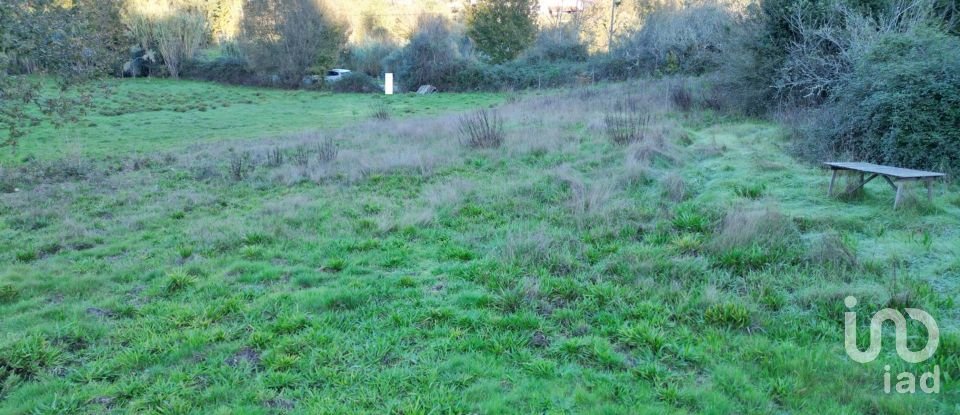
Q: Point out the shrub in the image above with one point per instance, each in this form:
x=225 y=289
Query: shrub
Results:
x=369 y=57
x=433 y=56
x=179 y=36
x=901 y=104
x=502 y=29
x=561 y=44
x=225 y=69
x=481 y=129
x=283 y=39
x=356 y=83
x=274 y=157
x=626 y=123
x=301 y=155
x=689 y=39
x=240 y=165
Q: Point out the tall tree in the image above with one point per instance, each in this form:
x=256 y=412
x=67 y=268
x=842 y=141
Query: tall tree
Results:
x=502 y=29
x=288 y=38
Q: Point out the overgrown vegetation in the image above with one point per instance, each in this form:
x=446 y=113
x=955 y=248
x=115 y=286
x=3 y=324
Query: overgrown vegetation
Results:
x=421 y=273
x=502 y=29
x=287 y=39
x=635 y=247
x=481 y=129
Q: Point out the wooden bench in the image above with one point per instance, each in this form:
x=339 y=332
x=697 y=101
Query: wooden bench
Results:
x=896 y=176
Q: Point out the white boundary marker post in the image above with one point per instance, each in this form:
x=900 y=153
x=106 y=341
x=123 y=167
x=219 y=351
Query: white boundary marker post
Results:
x=388 y=84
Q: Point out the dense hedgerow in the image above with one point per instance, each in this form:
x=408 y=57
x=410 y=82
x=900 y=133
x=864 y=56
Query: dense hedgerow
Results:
x=356 y=83
x=226 y=69
x=901 y=104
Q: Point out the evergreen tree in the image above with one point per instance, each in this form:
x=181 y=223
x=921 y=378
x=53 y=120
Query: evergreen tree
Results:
x=502 y=29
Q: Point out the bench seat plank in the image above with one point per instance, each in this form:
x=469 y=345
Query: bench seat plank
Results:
x=896 y=172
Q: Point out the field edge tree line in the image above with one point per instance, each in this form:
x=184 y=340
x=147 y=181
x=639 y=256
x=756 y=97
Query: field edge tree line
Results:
x=829 y=69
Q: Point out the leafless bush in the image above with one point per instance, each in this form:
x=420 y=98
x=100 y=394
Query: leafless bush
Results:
x=825 y=50
x=240 y=165
x=327 y=150
x=275 y=157
x=481 y=129
x=625 y=127
x=178 y=37
x=680 y=39
x=301 y=155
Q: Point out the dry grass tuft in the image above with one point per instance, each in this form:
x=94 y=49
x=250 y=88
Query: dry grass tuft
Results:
x=681 y=97
x=327 y=151
x=755 y=225
x=710 y=150
x=587 y=199
x=830 y=249
x=537 y=248
x=674 y=187
x=381 y=111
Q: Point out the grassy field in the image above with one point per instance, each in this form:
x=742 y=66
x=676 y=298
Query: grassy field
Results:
x=698 y=269
x=148 y=115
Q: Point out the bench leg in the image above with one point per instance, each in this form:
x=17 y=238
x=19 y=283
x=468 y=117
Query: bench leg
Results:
x=896 y=201
x=833 y=180
x=929 y=184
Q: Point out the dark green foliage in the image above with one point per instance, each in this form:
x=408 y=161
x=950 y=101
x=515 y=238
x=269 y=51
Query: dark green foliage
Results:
x=227 y=69
x=286 y=39
x=556 y=45
x=8 y=293
x=357 y=83
x=502 y=29
x=433 y=56
x=901 y=105
x=369 y=57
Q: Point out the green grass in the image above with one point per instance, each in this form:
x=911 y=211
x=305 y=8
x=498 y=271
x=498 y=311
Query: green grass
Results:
x=550 y=275
x=149 y=115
